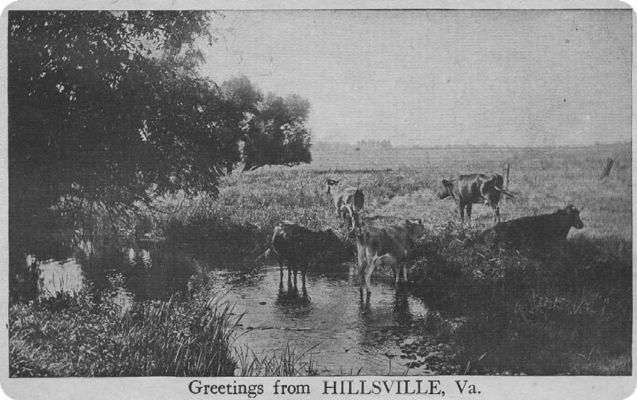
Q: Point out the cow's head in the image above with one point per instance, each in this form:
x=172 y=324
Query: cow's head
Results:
x=415 y=228
x=329 y=183
x=571 y=215
x=445 y=188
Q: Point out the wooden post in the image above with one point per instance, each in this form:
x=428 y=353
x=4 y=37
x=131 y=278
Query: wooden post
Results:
x=609 y=165
x=508 y=170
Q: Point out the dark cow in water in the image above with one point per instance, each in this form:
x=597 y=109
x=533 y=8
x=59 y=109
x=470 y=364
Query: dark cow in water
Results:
x=389 y=246
x=298 y=246
x=470 y=189
x=536 y=231
x=348 y=200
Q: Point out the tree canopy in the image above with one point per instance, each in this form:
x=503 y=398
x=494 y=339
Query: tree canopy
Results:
x=108 y=108
x=277 y=134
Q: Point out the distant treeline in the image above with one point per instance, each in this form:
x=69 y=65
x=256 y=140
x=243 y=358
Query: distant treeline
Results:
x=386 y=144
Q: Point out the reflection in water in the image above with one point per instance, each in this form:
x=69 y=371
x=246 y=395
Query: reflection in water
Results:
x=402 y=315
x=291 y=297
x=347 y=334
x=60 y=276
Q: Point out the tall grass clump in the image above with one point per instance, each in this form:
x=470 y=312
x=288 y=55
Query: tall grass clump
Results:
x=89 y=335
x=287 y=361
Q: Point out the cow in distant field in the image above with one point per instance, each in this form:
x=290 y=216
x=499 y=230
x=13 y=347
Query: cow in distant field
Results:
x=536 y=231
x=470 y=189
x=348 y=200
x=389 y=246
x=298 y=246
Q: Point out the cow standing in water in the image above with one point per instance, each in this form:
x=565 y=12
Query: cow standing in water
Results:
x=298 y=246
x=536 y=231
x=348 y=200
x=389 y=246
x=470 y=189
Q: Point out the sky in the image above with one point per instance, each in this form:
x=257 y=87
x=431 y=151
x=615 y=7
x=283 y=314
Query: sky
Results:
x=440 y=77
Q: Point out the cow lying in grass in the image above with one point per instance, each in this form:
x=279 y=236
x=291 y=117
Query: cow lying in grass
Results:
x=348 y=200
x=389 y=246
x=534 y=231
x=471 y=189
x=298 y=246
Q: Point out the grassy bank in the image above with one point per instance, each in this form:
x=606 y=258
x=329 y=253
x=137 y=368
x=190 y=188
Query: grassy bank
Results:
x=559 y=310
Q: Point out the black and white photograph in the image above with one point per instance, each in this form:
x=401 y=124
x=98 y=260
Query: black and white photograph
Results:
x=372 y=200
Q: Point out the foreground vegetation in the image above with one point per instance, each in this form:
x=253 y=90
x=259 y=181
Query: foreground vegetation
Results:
x=563 y=310
x=89 y=335
x=557 y=310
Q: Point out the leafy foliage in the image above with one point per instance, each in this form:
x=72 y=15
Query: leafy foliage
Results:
x=105 y=108
x=277 y=134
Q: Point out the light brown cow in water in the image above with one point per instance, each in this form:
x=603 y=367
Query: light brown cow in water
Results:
x=389 y=246
x=348 y=200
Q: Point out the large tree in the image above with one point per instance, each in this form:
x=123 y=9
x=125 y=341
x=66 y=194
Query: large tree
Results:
x=242 y=101
x=105 y=109
x=277 y=134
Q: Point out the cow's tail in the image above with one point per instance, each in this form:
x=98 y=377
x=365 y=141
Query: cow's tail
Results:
x=503 y=191
x=359 y=200
x=498 y=184
x=265 y=255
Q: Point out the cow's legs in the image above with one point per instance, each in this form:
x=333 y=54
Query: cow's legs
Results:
x=362 y=265
x=361 y=257
x=496 y=214
x=368 y=272
x=461 y=211
x=303 y=272
x=469 y=206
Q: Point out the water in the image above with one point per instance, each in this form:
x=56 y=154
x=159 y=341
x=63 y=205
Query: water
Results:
x=326 y=319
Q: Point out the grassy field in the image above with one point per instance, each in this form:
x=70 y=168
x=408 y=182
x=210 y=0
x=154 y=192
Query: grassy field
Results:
x=401 y=183
x=567 y=310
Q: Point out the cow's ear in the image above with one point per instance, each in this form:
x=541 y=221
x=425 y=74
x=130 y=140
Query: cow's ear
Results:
x=445 y=182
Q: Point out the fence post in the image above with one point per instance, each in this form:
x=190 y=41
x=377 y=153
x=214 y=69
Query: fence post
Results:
x=508 y=170
x=609 y=165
